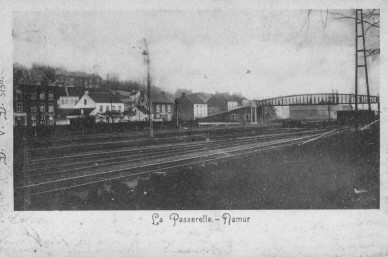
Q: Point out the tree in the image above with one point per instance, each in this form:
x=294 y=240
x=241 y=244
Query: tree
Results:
x=371 y=19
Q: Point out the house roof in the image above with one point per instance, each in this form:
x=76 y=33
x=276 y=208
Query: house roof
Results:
x=73 y=91
x=104 y=97
x=195 y=99
x=120 y=93
x=124 y=96
x=69 y=91
x=204 y=96
x=161 y=98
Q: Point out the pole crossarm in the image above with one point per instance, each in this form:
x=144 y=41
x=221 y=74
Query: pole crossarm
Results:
x=318 y=99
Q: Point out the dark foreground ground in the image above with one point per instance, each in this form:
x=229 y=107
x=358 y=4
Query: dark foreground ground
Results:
x=339 y=172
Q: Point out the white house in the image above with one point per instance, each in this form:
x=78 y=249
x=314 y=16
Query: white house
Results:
x=68 y=97
x=191 y=107
x=103 y=105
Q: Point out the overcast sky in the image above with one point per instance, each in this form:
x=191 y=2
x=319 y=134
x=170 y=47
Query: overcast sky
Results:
x=258 y=53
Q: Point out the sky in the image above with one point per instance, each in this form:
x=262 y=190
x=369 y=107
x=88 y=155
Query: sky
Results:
x=258 y=53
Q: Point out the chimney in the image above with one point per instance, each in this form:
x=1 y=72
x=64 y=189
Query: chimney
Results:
x=86 y=92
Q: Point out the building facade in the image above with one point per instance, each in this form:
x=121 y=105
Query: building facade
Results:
x=191 y=107
x=221 y=102
x=35 y=99
x=68 y=97
x=79 y=80
x=240 y=115
x=104 y=106
x=162 y=108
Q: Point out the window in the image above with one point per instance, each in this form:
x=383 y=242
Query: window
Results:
x=119 y=108
x=233 y=117
x=51 y=107
x=107 y=108
x=33 y=96
x=113 y=108
x=33 y=121
x=168 y=108
x=42 y=120
x=158 y=116
x=157 y=108
x=163 y=108
x=19 y=107
x=51 y=121
x=51 y=95
x=63 y=101
x=42 y=95
x=101 y=108
x=85 y=101
x=66 y=101
x=33 y=109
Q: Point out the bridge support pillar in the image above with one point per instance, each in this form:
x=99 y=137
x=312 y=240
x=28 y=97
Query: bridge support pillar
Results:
x=253 y=115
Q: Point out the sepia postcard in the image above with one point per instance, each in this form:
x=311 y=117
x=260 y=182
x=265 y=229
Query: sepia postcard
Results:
x=204 y=128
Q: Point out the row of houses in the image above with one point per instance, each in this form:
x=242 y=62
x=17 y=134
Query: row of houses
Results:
x=44 y=97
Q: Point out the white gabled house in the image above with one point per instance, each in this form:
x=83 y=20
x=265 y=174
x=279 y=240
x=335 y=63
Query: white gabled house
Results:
x=105 y=106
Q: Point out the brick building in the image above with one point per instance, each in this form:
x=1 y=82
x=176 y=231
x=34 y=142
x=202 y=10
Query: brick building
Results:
x=35 y=98
x=79 y=80
x=162 y=107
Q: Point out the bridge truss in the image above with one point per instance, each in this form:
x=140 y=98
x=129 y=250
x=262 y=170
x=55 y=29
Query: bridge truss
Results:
x=318 y=99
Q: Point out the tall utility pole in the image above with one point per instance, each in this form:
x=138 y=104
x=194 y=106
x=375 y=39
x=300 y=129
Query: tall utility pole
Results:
x=147 y=60
x=359 y=21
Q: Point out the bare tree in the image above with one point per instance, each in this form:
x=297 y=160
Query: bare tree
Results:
x=371 y=20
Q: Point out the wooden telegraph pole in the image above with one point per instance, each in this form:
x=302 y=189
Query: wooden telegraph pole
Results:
x=147 y=60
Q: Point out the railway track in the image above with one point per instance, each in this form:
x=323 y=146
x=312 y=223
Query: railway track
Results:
x=56 y=152
x=117 y=155
x=118 y=140
x=95 y=165
x=82 y=177
x=157 y=134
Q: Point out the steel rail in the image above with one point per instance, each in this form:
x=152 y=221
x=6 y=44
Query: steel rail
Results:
x=169 y=164
x=149 y=156
x=124 y=152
